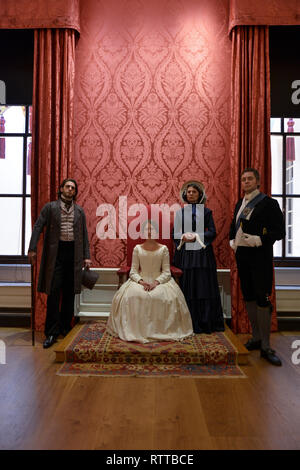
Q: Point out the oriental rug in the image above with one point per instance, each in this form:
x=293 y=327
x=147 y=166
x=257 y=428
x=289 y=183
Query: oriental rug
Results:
x=94 y=352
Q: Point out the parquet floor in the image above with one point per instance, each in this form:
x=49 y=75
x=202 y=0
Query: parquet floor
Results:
x=40 y=410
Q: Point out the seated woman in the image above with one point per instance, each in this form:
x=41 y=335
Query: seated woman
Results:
x=150 y=305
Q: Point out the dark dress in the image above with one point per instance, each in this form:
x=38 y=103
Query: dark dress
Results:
x=199 y=281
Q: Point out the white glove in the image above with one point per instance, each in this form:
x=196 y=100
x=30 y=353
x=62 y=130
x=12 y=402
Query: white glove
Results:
x=191 y=236
x=232 y=245
x=252 y=240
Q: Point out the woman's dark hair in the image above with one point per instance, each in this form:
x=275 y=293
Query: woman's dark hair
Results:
x=62 y=185
x=195 y=186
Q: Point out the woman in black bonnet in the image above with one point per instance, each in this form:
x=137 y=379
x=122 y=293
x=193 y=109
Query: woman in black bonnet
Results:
x=194 y=232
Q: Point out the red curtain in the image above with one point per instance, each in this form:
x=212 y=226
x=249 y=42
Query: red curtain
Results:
x=23 y=14
x=250 y=139
x=52 y=131
x=257 y=12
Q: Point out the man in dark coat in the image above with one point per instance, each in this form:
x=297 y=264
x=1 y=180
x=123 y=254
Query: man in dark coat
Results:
x=65 y=252
x=257 y=223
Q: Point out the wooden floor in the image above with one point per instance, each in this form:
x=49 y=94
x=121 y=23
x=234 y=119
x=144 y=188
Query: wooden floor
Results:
x=40 y=410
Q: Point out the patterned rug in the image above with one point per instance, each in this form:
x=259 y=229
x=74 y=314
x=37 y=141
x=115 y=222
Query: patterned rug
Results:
x=132 y=370
x=95 y=352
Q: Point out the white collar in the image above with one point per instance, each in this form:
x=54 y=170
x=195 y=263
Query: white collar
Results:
x=250 y=196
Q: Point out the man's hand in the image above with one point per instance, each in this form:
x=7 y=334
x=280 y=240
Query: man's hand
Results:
x=87 y=263
x=232 y=245
x=252 y=240
x=32 y=257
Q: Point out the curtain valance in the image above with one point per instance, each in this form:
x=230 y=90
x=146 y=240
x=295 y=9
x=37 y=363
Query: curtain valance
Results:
x=38 y=14
x=268 y=13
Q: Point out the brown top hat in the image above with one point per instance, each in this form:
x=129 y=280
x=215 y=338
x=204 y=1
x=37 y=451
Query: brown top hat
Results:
x=89 y=278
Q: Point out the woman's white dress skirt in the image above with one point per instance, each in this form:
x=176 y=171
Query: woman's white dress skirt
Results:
x=156 y=315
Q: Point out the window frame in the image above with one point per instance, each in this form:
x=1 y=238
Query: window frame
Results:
x=23 y=258
x=284 y=260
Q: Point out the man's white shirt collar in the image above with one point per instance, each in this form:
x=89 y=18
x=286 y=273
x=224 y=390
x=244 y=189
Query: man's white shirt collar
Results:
x=250 y=196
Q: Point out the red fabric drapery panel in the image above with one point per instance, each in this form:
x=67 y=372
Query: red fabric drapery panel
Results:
x=23 y=14
x=257 y=12
x=250 y=143
x=52 y=121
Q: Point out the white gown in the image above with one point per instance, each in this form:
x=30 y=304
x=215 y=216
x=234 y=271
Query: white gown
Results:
x=156 y=315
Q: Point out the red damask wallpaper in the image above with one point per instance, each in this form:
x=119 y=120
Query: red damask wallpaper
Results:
x=152 y=109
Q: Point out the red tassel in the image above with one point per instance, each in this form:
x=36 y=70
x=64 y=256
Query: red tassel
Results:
x=290 y=142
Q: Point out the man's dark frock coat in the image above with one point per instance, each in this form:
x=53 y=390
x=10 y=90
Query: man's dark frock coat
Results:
x=50 y=217
x=266 y=221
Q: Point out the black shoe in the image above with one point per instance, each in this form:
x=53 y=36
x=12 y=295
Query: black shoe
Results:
x=269 y=355
x=49 y=341
x=251 y=345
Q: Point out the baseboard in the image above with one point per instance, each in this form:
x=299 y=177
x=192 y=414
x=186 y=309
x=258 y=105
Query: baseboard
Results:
x=15 y=318
x=288 y=323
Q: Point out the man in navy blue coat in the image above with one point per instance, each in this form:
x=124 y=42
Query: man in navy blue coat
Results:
x=257 y=223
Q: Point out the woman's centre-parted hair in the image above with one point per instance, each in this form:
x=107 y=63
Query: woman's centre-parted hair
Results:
x=62 y=185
